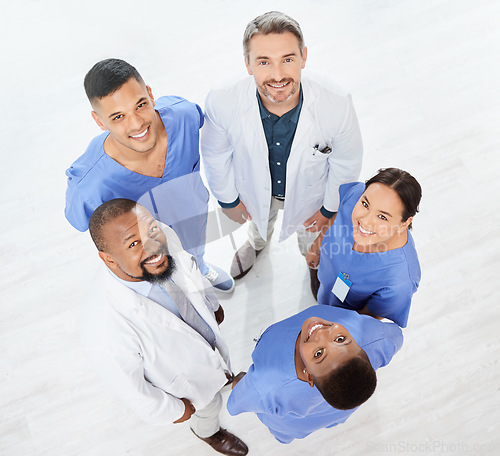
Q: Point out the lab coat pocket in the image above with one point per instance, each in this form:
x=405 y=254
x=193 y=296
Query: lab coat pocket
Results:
x=181 y=387
x=316 y=166
x=320 y=152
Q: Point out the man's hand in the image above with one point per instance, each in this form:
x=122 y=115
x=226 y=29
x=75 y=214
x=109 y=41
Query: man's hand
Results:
x=238 y=214
x=316 y=222
x=237 y=379
x=312 y=256
x=219 y=315
x=187 y=413
x=314 y=252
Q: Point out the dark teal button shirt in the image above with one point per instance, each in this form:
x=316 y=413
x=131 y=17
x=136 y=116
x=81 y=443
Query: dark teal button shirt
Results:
x=279 y=133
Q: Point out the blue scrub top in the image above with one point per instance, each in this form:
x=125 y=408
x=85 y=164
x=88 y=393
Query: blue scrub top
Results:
x=178 y=198
x=384 y=281
x=289 y=407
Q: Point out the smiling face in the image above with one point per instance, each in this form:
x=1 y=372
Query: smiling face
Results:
x=276 y=61
x=324 y=346
x=377 y=220
x=129 y=116
x=137 y=247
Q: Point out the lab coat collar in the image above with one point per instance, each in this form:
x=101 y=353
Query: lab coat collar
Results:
x=143 y=287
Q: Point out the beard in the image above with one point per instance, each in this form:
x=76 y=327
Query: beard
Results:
x=279 y=98
x=162 y=276
x=159 y=277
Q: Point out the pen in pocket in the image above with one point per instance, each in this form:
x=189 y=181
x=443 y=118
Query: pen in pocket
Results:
x=326 y=150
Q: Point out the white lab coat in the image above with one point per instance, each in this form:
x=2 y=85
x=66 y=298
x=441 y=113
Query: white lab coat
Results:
x=236 y=158
x=146 y=355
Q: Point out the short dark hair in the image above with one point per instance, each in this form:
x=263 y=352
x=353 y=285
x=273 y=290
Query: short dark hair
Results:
x=104 y=214
x=350 y=384
x=404 y=184
x=107 y=76
x=272 y=22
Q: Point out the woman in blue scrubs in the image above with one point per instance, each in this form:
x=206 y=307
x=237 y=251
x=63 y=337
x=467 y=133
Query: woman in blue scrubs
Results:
x=367 y=258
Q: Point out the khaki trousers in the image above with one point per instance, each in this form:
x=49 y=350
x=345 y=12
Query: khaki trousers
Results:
x=205 y=422
x=304 y=238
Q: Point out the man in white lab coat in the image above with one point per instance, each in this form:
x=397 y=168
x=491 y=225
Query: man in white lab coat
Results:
x=150 y=326
x=278 y=141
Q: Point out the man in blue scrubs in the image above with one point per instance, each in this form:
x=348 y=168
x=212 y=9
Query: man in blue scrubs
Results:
x=149 y=152
x=312 y=370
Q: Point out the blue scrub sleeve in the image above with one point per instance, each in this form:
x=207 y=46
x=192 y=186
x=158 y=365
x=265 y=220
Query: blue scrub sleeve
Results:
x=244 y=397
x=202 y=117
x=345 y=191
x=392 y=303
x=77 y=211
x=382 y=350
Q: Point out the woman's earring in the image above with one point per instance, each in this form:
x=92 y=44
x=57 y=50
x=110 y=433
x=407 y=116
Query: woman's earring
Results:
x=303 y=371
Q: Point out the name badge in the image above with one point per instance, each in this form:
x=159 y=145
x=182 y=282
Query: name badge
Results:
x=341 y=286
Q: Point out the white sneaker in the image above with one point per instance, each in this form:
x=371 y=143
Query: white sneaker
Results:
x=219 y=279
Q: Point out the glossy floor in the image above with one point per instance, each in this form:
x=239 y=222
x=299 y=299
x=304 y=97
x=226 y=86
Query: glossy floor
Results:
x=424 y=78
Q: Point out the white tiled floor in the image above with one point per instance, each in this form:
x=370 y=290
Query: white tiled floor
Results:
x=424 y=78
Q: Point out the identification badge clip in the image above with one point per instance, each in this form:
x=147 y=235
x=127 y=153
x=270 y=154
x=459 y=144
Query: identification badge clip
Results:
x=341 y=286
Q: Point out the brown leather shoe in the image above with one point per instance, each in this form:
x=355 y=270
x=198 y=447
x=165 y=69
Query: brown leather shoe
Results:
x=314 y=282
x=243 y=260
x=226 y=443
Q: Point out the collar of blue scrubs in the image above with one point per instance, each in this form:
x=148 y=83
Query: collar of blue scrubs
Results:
x=281 y=356
x=294 y=113
x=142 y=287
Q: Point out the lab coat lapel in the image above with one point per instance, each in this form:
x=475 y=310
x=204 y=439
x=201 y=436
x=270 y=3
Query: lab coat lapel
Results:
x=152 y=312
x=191 y=283
x=299 y=145
x=253 y=131
x=189 y=279
x=128 y=301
